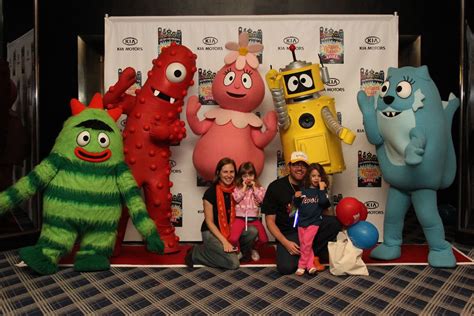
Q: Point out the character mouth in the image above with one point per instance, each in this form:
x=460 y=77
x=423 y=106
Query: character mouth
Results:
x=236 y=95
x=163 y=96
x=92 y=157
x=390 y=114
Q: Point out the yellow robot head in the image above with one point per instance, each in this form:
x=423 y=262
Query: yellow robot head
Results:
x=300 y=78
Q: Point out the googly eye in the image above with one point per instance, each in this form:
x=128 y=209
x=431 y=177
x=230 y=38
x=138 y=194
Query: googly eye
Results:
x=384 y=88
x=229 y=78
x=176 y=72
x=403 y=89
x=293 y=83
x=103 y=139
x=306 y=80
x=83 y=138
x=246 y=81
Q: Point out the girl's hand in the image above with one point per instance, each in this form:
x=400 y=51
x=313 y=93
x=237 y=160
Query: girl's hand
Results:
x=322 y=185
x=228 y=247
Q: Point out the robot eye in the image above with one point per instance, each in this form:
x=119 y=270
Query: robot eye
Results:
x=403 y=89
x=384 y=88
x=103 y=140
x=293 y=83
x=306 y=80
x=175 y=72
x=247 y=80
x=83 y=138
x=229 y=78
x=306 y=120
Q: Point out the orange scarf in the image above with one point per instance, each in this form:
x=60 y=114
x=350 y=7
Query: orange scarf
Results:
x=224 y=225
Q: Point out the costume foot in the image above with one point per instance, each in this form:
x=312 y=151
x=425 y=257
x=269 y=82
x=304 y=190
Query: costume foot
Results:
x=385 y=252
x=88 y=263
x=319 y=267
x=36 y=260
x=442 y=258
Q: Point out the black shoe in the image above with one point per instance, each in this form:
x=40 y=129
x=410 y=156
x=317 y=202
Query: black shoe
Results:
x=188 y=259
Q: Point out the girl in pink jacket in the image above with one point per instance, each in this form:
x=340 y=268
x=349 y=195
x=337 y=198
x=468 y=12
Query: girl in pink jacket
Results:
x=248 y=195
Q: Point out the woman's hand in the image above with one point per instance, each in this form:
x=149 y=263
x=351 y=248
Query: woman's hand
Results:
x=228 y=247
x=298 y=194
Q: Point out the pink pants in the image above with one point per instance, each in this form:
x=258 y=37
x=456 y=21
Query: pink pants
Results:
x=238 y=227
x=306 y=237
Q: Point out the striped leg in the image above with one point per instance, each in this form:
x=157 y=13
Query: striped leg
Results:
x=96 y=248
x=57 y=238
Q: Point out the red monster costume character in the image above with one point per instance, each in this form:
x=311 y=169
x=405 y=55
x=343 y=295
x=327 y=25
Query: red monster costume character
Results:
x=232 y=130
x=153 y=125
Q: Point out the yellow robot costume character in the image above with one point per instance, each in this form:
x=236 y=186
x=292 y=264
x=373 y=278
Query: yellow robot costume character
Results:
x=306 y=119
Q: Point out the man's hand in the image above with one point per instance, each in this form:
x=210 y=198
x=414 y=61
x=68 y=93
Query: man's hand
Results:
x=292 y=247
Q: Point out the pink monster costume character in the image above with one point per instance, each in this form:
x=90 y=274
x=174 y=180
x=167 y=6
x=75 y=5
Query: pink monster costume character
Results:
x=152 y=126
x=232 y=130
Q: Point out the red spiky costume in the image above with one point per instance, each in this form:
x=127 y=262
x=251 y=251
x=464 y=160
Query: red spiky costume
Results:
x=153 y=125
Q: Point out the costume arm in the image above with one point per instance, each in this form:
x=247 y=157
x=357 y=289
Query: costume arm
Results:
x=416 y=147
x=261 y=139
x=116 y=95
x=367 y=107
x=137 y=209
x=274 y=80
x=192 y=108
x=345 y=134
x=30 y=184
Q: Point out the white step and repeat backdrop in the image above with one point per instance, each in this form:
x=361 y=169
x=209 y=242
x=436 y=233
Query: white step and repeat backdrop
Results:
x=357 y=50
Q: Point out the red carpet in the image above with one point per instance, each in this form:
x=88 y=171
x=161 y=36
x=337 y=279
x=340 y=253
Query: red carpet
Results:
x=136 y=255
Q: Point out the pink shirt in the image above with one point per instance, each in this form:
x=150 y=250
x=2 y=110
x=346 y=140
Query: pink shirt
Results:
x=248 y=201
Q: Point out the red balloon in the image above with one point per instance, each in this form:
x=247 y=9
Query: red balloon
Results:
x=363 y=212
x=348 y=211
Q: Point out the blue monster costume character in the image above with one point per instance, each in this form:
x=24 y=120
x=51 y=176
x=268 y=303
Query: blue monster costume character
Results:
x=411 y=129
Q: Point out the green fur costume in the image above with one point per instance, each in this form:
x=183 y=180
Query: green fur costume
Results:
x=84 y=182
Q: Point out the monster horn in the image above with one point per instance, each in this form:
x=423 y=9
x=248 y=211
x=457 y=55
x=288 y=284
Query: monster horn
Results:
x=76 y=106
x=96 y=102
x=115 y=113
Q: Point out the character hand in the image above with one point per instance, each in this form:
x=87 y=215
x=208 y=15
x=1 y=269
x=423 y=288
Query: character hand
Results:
x=273 y=79
x=193 y=106
x=347 y=136
x=416 y=148
x=154 y=243
x=366 y=103
x=270 y=120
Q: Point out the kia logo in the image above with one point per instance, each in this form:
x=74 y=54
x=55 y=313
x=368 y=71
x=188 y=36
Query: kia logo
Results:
x=291 y=40
x=333 y=82
x=371 y=204
x=209 y=40
x=172 y=163
x=130 y=41
x=372 y=40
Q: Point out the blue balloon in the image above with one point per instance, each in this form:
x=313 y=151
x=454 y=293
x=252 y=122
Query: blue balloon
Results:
x=364 y=235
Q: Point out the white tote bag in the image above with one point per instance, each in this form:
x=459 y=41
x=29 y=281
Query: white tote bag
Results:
x=344 y=258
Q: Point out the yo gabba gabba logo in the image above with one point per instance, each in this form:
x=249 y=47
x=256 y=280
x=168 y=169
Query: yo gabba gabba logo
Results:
x=331 y=45
x=255 y=37
x=166 y=36
x=205 y=77
x=368 y=170
x=177 y=210
x=371 y=80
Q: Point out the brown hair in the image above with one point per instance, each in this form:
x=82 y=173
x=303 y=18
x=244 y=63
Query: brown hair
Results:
x=322 y=173
x=249 y=168
x=220 y=164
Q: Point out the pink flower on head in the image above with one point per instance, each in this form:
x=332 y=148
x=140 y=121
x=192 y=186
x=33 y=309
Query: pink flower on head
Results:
x=242 y=52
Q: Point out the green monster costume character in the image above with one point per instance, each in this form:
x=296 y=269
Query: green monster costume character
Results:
x=84 y=182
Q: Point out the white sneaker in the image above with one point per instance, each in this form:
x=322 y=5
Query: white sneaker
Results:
x=255 y=255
